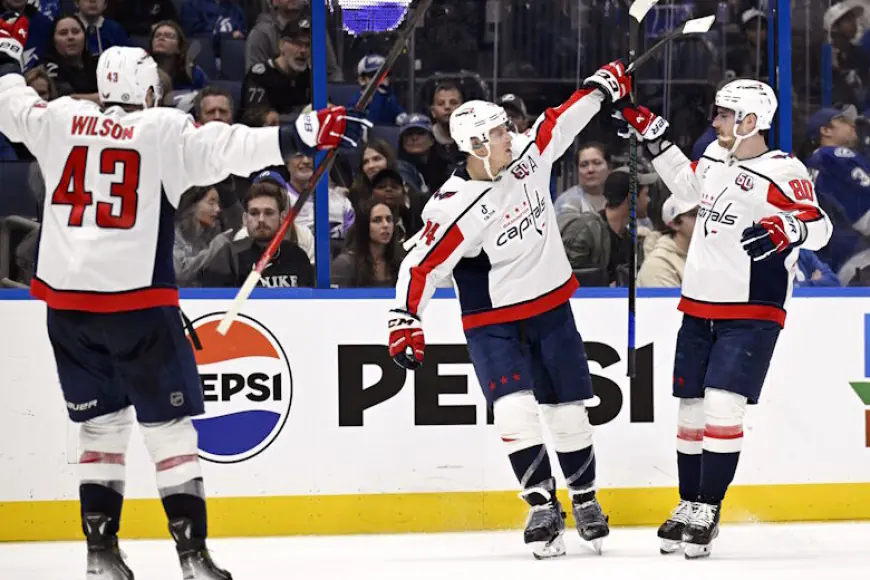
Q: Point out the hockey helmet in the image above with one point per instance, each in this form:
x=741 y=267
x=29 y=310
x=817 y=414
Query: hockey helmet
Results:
x=471 y=123
x=748 y=97
x=124 y=75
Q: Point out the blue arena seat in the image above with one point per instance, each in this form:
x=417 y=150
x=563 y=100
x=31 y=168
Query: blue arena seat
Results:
x=232 y=59
x=17 y=196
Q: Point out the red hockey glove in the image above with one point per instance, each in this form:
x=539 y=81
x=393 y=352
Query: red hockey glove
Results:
x=406 y=339
x=774 y=234
x=13 y=37
x=644 y=123
x=612 y=80
x=332 y=127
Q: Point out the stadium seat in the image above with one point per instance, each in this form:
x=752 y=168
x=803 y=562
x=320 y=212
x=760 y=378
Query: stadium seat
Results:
x=140 y=41
x=389 y=133
x=341 y=94
x=232 y=59
x=18 y=196
x=204 y=50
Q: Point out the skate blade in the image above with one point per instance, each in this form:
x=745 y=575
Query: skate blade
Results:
x=546 y=550
x=670 y=546
x=696 y=551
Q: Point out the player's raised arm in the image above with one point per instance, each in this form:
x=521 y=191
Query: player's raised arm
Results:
x=670 y=163
x=203 y=155
x=556 y=128
x=22 y=111
x=452 y=227
x=799 y=221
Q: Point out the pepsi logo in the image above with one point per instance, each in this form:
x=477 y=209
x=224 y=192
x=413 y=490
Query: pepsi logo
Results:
x=247 y=386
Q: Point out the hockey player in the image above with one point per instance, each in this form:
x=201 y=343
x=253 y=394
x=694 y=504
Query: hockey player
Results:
x=757 y=207
x=492 y=225
x=114 y=175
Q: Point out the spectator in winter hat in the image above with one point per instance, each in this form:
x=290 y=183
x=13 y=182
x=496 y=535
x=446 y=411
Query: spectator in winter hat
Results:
x=384 y=108
x=515 y=108
x=102 y=32
x=417 y=164
x=666 y=251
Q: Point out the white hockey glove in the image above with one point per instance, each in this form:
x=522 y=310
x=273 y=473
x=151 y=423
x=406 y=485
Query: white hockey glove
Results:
x=649 y=128
x=611 y=80
x=13 y=37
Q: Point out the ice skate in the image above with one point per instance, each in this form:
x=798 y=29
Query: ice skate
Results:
x=591 y=522
x=545 y=524
x=196 y=563
x=105 y=560
x=671 y=532
x=702 y=529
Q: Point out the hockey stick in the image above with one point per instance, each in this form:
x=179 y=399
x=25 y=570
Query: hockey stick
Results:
x=694 y=26
x=363 y=102
x=637 y=13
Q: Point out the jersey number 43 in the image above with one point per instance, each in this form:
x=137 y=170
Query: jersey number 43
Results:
x=71 y=189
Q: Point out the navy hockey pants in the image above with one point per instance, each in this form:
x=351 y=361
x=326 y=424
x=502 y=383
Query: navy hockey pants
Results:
x=543 y=354
x=107 y=362
x=732 y=355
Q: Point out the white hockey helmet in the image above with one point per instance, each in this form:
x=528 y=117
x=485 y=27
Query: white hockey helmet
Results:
x=748 y=97
x=470 y=126
x=124 y=75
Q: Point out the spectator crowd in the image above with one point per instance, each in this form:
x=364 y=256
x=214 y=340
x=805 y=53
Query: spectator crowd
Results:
x=228 y=61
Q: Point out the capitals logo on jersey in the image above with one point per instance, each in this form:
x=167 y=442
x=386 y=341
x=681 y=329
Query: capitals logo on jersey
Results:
x=247 y=386
x=521 y=219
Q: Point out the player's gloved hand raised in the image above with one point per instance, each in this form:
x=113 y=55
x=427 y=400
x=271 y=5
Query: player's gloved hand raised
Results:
x=332 y=127
x=773 y=234
x=612 y=80
x=642 y=122
x=406 y=339
x=13 y=37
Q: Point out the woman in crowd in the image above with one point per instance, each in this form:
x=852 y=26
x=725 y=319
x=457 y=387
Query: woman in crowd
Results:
x=593 y=163
x=169 y=47
x=68 y=62
x=198 y=234
x=377 y=155
x=373 y=253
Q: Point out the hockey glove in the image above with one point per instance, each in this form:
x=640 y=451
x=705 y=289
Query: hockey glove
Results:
x=611 y=80
x=649 y=127
x=13 y=37
x=332 y=127
x=406 y=339
x=774 y=234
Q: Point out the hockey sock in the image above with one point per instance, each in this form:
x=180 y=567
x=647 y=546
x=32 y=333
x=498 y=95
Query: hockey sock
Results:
x=97 y=498
x=531 y=465
x=690 y=438
x=191 y=507
x=579 y=469
x=723 y=440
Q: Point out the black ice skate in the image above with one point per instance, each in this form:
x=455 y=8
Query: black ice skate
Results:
x=671 y=532
x=105 y=560
x=702 y=529
x=196 y=563
x=591 y=522
x=546 y=521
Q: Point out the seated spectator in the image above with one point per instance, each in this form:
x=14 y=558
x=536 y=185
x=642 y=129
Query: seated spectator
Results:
x=812 y=272
x=265 y=208
x=377 y=155
x=283 y=83
x=262 y=42
x=388 y=188
x=516 y=111
x=850 y=73
x=169 y=47
x=419 y=164
x=373 y=253
x=666 y=251
x=446 y=99
x=261 y=117
x=102 y=32
x=601 y=239
x=68 y=62
x=341 y=213
x=138 y=17
x=214 y=104
x=38 y=33
x=593 y=167
x=38 y=79
x=384 y=108
x=198 y=234
x=213 y=17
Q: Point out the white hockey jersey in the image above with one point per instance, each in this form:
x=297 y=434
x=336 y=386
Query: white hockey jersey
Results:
x=113 y=180
x=499 y=238
x=721 y=281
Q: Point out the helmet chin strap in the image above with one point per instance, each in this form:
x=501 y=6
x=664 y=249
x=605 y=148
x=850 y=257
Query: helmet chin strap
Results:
x=487 y=162
x=738 y=139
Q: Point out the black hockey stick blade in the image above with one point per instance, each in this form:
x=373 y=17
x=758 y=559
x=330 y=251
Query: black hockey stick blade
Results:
x=694 y=26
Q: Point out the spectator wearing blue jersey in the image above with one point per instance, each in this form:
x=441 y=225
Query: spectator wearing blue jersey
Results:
x=213 y=17
x=812 y=272
x=49 y=8
x=842 y=183
x=169 y=47
x=38 y=34
x=384 y=108
x=102 y=33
